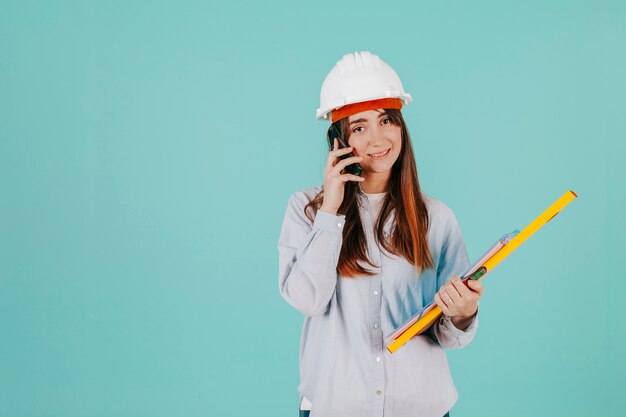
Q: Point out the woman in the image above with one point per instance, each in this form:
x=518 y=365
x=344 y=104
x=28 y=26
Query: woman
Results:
x=362 y=254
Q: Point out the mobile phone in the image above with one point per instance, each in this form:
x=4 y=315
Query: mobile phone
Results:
x=334 y=133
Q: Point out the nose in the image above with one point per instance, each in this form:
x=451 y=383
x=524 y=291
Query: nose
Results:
x=378 y=137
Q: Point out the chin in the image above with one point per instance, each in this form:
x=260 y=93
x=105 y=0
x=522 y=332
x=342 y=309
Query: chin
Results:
x=379 y=169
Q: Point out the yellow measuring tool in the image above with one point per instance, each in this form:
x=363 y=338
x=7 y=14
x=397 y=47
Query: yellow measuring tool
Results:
x=431 y=315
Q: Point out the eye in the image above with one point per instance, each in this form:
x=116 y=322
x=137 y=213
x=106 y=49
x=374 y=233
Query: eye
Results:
x=386 y=121
x=358 y=129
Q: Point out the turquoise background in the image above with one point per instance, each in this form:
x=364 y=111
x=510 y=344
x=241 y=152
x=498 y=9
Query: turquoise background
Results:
x=148 y=149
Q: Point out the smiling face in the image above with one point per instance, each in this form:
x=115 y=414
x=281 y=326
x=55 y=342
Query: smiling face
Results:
x=374 y=137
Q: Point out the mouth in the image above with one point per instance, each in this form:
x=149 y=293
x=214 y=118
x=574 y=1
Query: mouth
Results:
x=379 y=155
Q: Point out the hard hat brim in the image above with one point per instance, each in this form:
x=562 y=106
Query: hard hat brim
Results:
x=323 y=114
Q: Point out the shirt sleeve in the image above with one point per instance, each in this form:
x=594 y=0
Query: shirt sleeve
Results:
x=307 y=257
x=450 y=337
x=453 y=262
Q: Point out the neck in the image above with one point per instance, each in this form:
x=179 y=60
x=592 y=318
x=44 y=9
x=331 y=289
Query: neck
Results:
x=375 y=182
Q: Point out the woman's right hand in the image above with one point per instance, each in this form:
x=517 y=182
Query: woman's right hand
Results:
x=334 y=180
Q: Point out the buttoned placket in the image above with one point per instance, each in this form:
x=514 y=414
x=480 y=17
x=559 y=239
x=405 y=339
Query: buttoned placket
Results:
x=375 y=306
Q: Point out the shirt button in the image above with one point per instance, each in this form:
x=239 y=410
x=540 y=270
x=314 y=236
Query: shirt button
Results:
x=379 y=392
x=377 y=358
x=376 y=326
x=338 y=224
x=375 y=292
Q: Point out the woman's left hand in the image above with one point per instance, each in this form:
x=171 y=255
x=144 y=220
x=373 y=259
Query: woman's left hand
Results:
x=457 y=300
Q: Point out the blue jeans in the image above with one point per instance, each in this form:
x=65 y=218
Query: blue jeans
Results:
x=305 y=413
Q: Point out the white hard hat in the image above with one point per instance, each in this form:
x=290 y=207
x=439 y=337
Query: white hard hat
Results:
x=359 y=77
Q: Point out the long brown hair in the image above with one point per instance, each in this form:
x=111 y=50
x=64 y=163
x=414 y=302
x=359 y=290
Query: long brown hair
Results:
x=408 y=237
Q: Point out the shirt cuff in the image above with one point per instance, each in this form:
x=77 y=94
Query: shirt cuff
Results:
x=446 y=322
x=329 y=222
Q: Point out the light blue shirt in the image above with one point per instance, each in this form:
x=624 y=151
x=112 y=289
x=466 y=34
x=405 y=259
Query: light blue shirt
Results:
x=345 y=368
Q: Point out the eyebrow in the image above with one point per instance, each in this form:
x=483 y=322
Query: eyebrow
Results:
x=365 y=120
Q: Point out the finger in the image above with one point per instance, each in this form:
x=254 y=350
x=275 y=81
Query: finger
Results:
x=468 y=297
x=452 y=292
x=443 y=306
x=476 y=286
x=445 y=296
x=335 y=154
x=454 y=280
x=345 y=162
x=350 y=177
x=342 y=151
x=462 y=288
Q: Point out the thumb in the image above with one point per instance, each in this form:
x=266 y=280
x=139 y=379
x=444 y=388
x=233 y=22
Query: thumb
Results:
x=475 y=285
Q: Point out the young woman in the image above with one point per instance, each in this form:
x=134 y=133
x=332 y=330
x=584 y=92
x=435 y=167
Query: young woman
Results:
x=361 y=254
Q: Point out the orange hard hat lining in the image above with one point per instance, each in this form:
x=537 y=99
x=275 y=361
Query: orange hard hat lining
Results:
x=354 y=108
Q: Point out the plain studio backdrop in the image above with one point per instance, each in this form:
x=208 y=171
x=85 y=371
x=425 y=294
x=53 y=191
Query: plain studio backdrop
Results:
x=148 y=149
